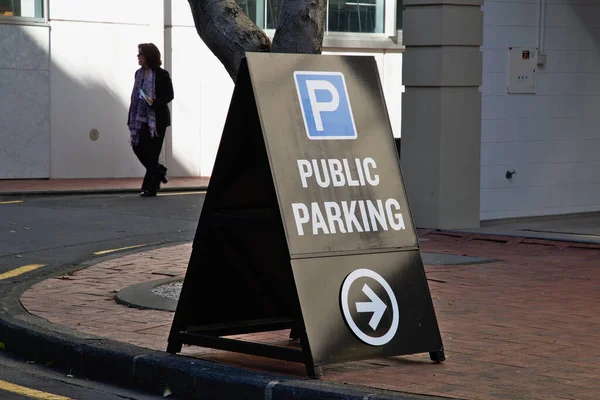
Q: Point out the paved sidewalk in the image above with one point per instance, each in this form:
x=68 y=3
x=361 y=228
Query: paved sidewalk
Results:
x=524 y=327
x=30 y=186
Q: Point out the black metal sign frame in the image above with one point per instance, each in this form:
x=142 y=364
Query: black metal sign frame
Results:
x=278 y=246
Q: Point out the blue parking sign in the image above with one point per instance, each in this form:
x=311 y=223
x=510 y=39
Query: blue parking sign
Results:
x=325 y=105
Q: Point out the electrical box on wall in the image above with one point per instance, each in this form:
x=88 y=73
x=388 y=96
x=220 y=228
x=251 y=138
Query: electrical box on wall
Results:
x=522 y=63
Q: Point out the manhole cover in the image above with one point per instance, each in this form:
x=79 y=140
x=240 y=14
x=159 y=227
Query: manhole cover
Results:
x=161 y=294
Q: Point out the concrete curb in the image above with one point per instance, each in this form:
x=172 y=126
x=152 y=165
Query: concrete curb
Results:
x=119 y=363
x=65 y=192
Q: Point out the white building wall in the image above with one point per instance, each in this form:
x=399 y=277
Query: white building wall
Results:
x=551 y=138
x=93 y=59
x=75 y=75
x=24 y=102
x=203 y=91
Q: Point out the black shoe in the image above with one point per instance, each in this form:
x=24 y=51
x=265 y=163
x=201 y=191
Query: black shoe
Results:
x=161 y=178
x=162 y=173
x=148 y=193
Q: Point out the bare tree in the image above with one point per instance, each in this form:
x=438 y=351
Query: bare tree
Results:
x=229 y=33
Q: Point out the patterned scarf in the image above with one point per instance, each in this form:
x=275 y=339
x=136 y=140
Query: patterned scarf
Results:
x=141 y=113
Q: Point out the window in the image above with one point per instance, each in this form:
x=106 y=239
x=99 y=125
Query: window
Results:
x=22 y=8
x=362 y=16
x=359 y=16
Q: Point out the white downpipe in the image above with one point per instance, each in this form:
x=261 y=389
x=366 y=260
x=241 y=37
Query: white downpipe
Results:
x=542 y=30
x=390 y=17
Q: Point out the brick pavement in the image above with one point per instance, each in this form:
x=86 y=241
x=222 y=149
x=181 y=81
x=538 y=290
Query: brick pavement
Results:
x=51 y=185
x=524 y=327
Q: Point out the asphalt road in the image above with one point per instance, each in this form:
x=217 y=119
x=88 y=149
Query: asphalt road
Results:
x=44 y=233
x=59 y=230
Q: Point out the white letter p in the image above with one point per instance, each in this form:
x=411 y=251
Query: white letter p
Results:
x=319 y=107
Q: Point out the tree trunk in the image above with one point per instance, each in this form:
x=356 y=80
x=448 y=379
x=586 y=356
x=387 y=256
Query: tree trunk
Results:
x=227 y=32
x=300 y=27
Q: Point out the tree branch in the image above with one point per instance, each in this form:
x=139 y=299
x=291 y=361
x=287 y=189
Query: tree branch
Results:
x=300 y=27
x=227 y=32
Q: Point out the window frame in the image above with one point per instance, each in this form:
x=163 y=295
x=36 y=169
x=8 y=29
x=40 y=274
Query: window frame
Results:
x=390 y=38
x=356 y=40
x=12 y=20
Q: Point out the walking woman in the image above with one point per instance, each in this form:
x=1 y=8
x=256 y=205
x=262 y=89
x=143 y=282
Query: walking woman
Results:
x=149 y=115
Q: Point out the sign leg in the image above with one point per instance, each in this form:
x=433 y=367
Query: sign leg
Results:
x=437 y=356
x=313 y=371
x=174 y=347
x=294 y=334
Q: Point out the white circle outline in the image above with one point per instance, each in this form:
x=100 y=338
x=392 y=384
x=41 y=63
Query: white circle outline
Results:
x=373 y=341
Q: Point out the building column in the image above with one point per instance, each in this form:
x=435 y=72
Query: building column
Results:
x=441 y=111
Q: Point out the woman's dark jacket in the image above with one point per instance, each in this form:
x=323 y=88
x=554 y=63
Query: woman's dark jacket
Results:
x=163 y=90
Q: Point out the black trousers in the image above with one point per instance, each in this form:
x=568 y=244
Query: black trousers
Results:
x=147 y=151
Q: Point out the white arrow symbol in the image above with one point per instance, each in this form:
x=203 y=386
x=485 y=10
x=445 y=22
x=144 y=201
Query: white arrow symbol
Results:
x=376 y=306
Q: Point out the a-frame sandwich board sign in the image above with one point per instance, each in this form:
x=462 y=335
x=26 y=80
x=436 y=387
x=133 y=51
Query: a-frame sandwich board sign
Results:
x=306 y=224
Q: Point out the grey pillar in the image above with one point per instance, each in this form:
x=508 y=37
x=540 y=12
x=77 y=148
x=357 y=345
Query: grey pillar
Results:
x=441 y=111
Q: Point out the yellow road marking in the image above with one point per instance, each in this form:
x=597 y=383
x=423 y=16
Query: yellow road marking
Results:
x=20 y=270
x=31 y=393
x=180 y=193
x=99 y=253
x=11 y=202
